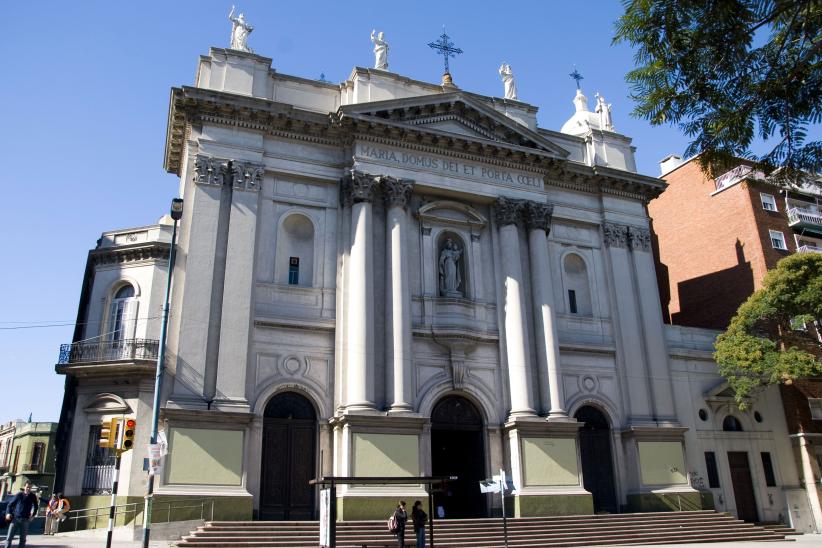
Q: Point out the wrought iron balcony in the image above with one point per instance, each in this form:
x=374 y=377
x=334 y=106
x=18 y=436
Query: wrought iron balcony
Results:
x=109 y=351
x=805 y=218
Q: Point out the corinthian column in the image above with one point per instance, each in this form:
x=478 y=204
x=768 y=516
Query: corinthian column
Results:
x=507 y=214
x=538 y=223
x=398 y=300
x=360 y=365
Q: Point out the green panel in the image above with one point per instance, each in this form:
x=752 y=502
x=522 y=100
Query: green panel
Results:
x=359 y=508
x=662 y=463
x=386 y=455
x=183 y=508
x=129 y=510
x=550 y=461
x=663 y=502
x=553 y=505
x=202 y=456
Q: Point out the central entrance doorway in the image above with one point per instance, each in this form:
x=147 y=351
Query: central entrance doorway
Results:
x=742 y=486
x=595 y=453
x=457 y=449
x=289 y=448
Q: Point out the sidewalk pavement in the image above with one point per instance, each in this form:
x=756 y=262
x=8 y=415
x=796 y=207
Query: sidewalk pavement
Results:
x=85 y=542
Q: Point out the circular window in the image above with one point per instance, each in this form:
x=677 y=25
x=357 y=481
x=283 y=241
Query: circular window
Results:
x=703 y=415
x=757 y=416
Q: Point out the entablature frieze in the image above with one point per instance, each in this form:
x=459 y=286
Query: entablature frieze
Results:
x=130 y=253
x=191 y=106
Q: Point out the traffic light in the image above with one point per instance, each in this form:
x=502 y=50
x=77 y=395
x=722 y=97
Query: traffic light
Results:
x=128 y=434
x=108 y=434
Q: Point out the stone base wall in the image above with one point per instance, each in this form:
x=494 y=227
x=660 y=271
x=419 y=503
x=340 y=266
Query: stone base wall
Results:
x=551 y=505
x=670 y=502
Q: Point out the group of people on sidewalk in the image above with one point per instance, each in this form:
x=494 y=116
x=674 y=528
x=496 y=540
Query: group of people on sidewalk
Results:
x=22 y=509
x=418 y=518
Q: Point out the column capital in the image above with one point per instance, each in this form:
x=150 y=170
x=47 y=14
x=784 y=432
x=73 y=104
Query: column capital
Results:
x=396 y=192
x=241 y=175
x=538 y=216
x=362 y=186
x=640 y=238
x=508 y=211
x=616 y=235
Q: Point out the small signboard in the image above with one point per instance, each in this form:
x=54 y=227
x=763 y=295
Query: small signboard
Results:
x=325 y=518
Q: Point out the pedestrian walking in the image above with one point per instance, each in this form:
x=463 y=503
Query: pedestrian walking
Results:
x=20 y=511
x=419 y=518
x=401 y=517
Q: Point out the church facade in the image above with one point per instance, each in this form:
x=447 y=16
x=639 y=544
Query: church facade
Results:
x=388 y=277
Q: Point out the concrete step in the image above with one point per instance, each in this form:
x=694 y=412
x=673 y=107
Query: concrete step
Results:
x=615 y=529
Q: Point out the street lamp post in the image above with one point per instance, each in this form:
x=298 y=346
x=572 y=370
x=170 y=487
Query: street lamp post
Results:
x=176 y=214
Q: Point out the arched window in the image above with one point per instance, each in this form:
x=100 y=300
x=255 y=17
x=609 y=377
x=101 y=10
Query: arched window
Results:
x=577 y=289
x=123 y=315
x=731 y=424
x=451 y=272
x=295 y=251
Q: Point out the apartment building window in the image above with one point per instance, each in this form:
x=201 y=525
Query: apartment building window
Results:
x=777 y=240
x=37 y=454
x=16 y=458
x=768 y=201
x=713 y=472
x=816 y=408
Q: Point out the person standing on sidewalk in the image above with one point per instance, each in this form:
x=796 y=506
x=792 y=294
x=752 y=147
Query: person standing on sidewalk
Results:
x=401 y=517
x=51 y=517
x=20 y=511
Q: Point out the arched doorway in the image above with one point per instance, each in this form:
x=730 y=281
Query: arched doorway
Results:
x=457 y=449
x=288 y=458
x=597 y=463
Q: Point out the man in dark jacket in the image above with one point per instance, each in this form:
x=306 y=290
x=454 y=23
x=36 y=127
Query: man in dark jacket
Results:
x=20 y=511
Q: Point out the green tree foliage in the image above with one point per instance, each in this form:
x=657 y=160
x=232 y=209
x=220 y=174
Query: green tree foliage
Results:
x=765 y=343
x=728 y=72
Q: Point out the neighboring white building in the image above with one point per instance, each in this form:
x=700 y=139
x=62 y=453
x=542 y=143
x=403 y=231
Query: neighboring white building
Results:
x=387 y=277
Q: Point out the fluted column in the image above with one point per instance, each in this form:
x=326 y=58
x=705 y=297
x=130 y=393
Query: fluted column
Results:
x=398 y=299
x=360 y=364
x=552 y=396
x=508 y=213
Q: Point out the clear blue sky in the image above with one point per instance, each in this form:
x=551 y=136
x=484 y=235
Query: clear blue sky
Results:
x=84 y=101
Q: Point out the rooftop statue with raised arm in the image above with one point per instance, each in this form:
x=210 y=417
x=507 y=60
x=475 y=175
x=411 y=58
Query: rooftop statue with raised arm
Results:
x=239 y=32
x=508 y=80
x=380 y=50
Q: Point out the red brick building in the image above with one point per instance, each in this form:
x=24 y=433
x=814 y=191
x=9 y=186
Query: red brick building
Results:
x=716 y=238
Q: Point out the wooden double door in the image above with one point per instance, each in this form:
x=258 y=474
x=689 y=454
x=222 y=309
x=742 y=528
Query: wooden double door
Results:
x=288 y=459
x=743 y=486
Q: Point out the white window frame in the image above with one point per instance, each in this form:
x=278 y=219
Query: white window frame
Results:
x=768 y=202
x=776 y=235
x=816 y=408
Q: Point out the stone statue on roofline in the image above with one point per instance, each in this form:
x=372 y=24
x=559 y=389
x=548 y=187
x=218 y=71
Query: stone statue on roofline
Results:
x=508 y=80
x=239 y=32
x=604 y=111
x=380 y=50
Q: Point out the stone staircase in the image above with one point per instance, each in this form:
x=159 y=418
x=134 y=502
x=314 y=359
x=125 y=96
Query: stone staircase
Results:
x=611 y=529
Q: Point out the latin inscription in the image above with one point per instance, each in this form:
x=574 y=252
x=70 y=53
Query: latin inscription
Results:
x=448 y=166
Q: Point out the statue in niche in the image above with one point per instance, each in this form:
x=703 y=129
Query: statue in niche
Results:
x=380 y=50
x=449 y=268
x=604 y=111
x=508 y=80
x=239 y=32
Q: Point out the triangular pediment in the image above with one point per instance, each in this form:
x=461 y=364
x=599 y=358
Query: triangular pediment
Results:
x=454 y=114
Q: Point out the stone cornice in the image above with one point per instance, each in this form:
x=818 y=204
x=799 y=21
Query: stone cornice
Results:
x=191 y=106
x=129 y=253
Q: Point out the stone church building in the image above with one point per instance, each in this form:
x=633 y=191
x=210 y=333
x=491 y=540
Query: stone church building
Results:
x=388 y=277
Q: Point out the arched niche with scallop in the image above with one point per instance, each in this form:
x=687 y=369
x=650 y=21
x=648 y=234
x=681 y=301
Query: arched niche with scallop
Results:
x=294 y=257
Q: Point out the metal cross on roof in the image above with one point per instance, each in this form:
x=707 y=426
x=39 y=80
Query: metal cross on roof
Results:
x=445 y=47
x=576 y=76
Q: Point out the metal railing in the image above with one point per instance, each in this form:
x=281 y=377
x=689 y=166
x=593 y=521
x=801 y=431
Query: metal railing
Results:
x=106 y=351
x=798 y=215
x=809 y=249
x=97 y=518
x=132 y=512
x=97 y=479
